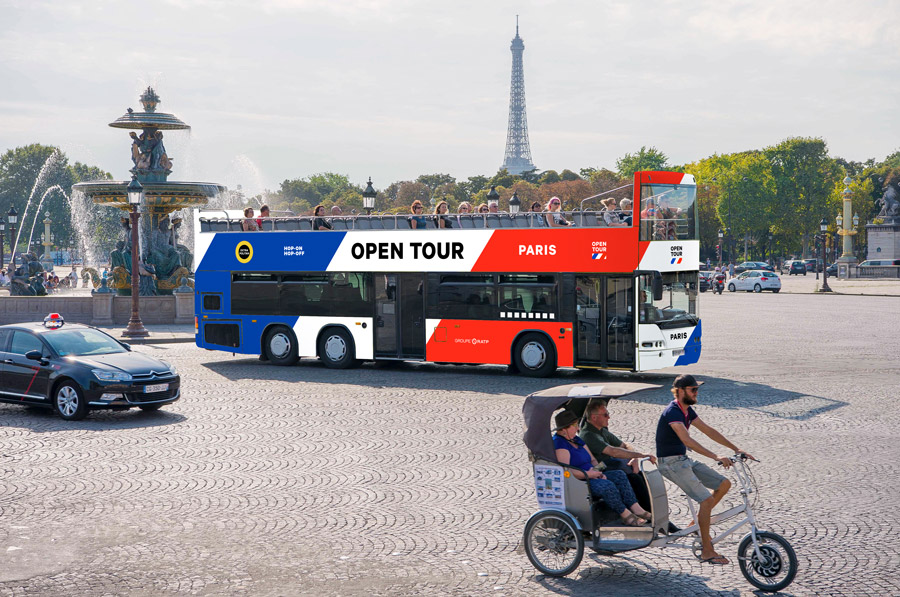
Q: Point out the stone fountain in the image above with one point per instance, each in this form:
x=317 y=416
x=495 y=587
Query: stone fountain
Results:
x=165 y=263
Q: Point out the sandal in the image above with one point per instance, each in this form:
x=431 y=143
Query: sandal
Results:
x=633 y=521
x=719 y=560
x=645 y=516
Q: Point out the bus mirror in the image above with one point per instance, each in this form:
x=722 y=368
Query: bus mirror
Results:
x=657 y=287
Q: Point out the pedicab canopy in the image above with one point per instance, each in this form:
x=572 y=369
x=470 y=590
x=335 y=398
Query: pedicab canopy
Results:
x=539 y=408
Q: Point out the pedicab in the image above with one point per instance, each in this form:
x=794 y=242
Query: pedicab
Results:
x=570 y=517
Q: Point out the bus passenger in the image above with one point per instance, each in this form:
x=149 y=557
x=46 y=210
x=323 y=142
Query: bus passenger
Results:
x=537 y=220
x=464 y=208
x=610 y=215
x=248 y=224
x=483 y=208
x=612 y=486
x=554 y=218
x=320 y=223
x=263 y=214
x=441 y=219
x=417 y=220
x=625 y=204
x=336 y=211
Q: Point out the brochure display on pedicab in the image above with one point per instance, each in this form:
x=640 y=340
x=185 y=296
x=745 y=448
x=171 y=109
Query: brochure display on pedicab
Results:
x=549 y=486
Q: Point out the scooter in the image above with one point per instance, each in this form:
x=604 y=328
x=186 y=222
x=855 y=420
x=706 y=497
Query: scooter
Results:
x=719 y=283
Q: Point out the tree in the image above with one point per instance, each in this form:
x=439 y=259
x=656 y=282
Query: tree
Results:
x=473 y=185
x=644 y=159
x=570 y=192
x=568 y=175
x=549 y=177
x=804 y=178
x=502 y=179
x=747 y=197
x=433 y=181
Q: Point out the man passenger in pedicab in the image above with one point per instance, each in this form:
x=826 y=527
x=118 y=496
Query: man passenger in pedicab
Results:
x=613 y=486
x=694 y=478
x=615 y=454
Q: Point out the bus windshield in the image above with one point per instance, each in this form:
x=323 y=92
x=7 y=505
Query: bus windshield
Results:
x=678 y=306
x=668 y=212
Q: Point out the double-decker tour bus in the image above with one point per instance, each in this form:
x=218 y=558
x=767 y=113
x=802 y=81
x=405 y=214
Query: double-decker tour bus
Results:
x=501 y=289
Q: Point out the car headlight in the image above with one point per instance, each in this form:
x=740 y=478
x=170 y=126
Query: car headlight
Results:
x=170 y=366
x=104 y=375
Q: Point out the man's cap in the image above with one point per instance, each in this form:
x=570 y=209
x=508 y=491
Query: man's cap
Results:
x=564 y=419
x=686 y=381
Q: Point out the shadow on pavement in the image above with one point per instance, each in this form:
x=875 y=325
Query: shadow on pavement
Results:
x=494 y=379
x=43 y=420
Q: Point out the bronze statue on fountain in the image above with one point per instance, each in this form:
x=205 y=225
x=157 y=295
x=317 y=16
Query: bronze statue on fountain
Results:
x=28 y=278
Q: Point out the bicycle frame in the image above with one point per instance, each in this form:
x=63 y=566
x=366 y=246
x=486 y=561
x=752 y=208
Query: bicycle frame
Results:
x=740 y=469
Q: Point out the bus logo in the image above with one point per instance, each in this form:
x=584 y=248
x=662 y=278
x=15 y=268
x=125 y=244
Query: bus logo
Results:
x=244 y=251
x=677 y=251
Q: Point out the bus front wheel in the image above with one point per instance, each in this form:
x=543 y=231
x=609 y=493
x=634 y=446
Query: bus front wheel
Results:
x=535 y=356
x=336 y=349
x=281 y=346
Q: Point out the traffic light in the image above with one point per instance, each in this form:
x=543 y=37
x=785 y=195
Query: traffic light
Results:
x=718 y=247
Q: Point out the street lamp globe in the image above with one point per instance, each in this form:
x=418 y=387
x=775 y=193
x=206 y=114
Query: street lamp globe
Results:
x=855 y=220
x=493 y=196
x=839 y=220
x=847 y=181
x=514 y=203
x=12 y=216
x=369 y=197
x=134 y=190
x=823 y=225
x=721 y=234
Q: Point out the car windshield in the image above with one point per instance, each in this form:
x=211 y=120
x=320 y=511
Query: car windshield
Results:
x=82 y=342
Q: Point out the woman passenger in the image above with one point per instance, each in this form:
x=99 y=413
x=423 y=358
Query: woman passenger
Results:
x=483 y=208
x=248 y=224
x=613 y=486
x=537 y=220
x=441 y=219
x=555 y=219
x=464 y=208
x=610 y=215
x=417 y=220
x=320 y=223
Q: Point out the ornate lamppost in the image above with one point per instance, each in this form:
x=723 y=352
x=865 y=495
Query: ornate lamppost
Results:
x=135 y=327
x=823 y=227
x=719 y=246
x=12 y=217
x=514 y=203
x=2 y=234
x=847 y=260
x=493 y=197
x=369 y=197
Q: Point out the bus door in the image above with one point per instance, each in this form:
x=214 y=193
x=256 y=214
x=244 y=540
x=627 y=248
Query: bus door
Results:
x=605 y=320
x=399 y=316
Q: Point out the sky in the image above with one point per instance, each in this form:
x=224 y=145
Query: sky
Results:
x=282 y=89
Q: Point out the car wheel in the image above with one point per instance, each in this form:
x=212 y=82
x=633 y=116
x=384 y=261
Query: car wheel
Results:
x=757 y=288
x=281 y=346
x=732 y=288
x=336 y=349
x=804 y=273
x=776 y=290
x=534 y=356
x=69 y=402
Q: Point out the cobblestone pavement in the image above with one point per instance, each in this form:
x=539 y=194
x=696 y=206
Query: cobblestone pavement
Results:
x=412 y=479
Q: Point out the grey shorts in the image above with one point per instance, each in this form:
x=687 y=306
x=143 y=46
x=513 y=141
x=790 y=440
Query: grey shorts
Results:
x=691 y=476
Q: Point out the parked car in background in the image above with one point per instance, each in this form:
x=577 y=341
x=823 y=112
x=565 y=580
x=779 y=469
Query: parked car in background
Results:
x=877 y=262
x=751 y=265
x=813 y=265
x=755 y=281
x=831 y=270
x=796 y=267
x=705 y=280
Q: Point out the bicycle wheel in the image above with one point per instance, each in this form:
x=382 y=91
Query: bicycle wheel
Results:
x=553 y=544
x=777 y=567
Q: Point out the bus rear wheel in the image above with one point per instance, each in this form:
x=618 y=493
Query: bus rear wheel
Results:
x=281 y=346
x=336 y=349
x=534 y=356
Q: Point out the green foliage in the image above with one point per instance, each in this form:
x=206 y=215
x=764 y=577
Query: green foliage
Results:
x=549 y=177
x=644 y=159
x=568 y=175
x=502 y=179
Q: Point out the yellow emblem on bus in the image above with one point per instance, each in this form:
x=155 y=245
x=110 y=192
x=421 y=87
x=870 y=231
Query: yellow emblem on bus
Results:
x=244 y=251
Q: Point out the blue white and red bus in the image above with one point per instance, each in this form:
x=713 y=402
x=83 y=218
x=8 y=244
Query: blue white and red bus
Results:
x=500 y=289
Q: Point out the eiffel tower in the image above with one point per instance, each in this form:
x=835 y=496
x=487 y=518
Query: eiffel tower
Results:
x=517 y=158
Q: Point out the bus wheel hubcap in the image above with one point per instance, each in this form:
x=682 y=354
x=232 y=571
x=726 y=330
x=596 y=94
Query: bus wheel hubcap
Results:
x=533 y=355
x=279 y=345
x=67 y=399
x=335 y=348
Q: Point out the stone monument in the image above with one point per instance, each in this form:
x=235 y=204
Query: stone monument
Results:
x=884 y=232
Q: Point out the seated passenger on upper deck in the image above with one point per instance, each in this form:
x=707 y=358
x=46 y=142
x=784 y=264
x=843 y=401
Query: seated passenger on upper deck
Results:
x=248 y=224
x=441 y=219
x=610 y=214
x=613 y=486
x=554 y=218
x=320 y=223
x=417 y=220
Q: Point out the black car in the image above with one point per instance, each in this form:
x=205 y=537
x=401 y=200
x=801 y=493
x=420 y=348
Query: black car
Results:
x=753 y=265
x=705 y=280
x=797 y=267
x=74 y=368
x=813 y=265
